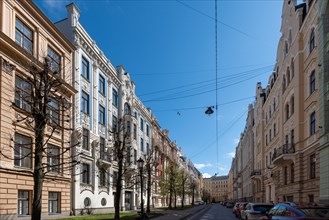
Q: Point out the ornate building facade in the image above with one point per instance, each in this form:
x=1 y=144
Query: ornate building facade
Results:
x=30 y=42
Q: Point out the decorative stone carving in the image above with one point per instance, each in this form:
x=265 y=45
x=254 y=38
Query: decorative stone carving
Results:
x=7 y=67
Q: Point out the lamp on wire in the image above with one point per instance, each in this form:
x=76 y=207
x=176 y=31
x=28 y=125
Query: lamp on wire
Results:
x=209 y=110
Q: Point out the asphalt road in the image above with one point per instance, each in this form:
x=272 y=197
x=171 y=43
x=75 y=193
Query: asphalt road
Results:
x=216 y=212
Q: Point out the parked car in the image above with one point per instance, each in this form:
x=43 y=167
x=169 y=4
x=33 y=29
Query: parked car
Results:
x=235 y=208
x=230 y=204
x=198 y=202
x=242 y=206
x=289 y=212
x=254 y=211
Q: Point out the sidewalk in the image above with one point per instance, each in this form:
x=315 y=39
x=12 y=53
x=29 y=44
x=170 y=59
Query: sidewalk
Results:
x=181 y=214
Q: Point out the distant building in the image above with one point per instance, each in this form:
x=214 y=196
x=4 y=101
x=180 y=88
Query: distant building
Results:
x=215 y=188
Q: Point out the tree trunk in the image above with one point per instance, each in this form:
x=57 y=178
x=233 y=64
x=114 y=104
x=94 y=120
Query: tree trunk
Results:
x=149 y=185
x=118 y=191
x=38 y=173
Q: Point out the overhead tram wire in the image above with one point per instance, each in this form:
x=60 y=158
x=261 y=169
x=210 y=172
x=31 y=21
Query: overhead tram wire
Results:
x=192 y=95
x=226 y=129
x=202 y=107
x=216 y=61
x=223 y=79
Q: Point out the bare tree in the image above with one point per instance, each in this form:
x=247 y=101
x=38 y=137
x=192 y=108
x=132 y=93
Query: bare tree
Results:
x=151 y=163
x=121 y=152
x=44 y=105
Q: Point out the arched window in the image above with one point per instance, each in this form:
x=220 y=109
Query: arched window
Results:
x=292 y=103
x=284 y=84
x=312 y=41
x=292 y=68
x=127 y=109
x=287 y=111
x=288 y=75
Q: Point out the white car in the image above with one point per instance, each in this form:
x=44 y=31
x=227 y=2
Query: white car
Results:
x=199 y=202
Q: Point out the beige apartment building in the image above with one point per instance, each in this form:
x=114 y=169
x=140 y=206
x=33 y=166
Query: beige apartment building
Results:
x=215 y=188
x=286 y=125
x=323 y=51
x=27 y=37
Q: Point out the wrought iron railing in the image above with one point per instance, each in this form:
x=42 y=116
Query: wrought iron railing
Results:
x=282 y=150
x=106 y=156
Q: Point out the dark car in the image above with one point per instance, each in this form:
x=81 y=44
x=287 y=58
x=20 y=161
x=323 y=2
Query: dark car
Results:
x=253 y=211
x=230 y=204
x=286 y=211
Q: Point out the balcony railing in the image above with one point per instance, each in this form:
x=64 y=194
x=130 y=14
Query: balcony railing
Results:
x=283 y=150
x=106 y=156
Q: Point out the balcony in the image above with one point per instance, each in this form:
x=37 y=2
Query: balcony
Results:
x=104 y=159
x=283 y=153
x=256 y=174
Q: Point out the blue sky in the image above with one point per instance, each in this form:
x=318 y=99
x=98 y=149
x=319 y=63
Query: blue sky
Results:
x=168 y=47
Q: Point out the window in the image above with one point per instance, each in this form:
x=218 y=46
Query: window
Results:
x=85 y=103
x=86 y=173
x=102 y=177
x=85 y=139
x=53 y=202
x=114 y=123
x=53 y=111
x=135 y=156
x=142 y=145
x=22 y=149
x=101 y=88
x=285 y=175
x=135 y=131
x=274 y=129
x=128 y=128
x=148 y=130
x=54 y=61
x=23 y=202
x=312 y=41
x=292 y=102
x=24 y=36
x=312 y=166
x=85 y=68
x=284 y=84
x=142 y=124
x=101 y=115
x=287 y=112
x=53 y=158
x=22 y=94
x=103 y=154
x=292 y=173
x=127 y=109
x=292 y=137
x=312 y=123
x=148 y=150
x=115 y=98
x=312 y=82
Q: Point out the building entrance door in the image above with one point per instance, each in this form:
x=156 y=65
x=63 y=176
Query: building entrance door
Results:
x=128 y=200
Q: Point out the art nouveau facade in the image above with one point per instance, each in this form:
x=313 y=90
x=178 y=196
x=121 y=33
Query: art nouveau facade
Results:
x=106 y=100
x=323 y=30
x=27 y=37
x=287 y=160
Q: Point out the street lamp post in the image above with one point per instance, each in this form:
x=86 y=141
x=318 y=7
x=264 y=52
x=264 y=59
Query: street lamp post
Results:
x=140 y=164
